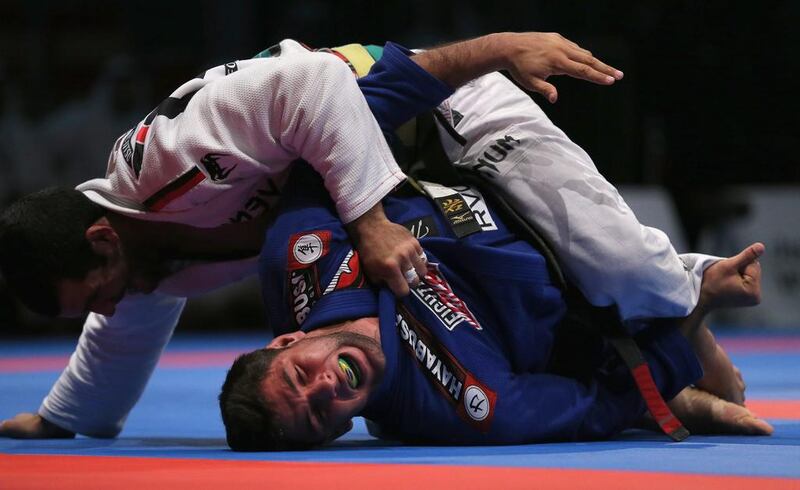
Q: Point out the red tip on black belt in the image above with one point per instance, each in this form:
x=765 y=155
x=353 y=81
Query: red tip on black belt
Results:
x=633 y=358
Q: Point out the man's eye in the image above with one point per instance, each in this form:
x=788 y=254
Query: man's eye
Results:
x=301 y=376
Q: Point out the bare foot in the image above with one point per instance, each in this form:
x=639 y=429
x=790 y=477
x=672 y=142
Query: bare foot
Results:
x=720 y=376
x=704 y=413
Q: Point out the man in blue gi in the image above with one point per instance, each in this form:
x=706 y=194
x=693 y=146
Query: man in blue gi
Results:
x=472 y=356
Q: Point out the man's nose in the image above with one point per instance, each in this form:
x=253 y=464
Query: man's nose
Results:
x=323 y=386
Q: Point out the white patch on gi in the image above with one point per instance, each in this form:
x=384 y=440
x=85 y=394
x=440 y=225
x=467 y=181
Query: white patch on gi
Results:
x=307 y=248
x=476 y=403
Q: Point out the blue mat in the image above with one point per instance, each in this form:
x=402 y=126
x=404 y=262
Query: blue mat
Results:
x=178 y=417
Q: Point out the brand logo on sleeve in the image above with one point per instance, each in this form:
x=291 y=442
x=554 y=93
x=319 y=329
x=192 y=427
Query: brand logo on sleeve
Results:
x=497 y=152
x=348 y=275
x=303 y=287
x=473 y=401
x=476 y=403
x=231 y=67
x=477 y=204
x=307 y=248
x=422 y=227
x=210 y=162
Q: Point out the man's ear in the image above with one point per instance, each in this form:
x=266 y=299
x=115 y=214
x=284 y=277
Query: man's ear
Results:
x=285 y=340
x=102 y=237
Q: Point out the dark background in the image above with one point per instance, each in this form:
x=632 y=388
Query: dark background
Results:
x=708 y=99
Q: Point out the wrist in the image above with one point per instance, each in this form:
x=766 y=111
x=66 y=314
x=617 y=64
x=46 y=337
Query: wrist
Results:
x=372 y=219
x=501 y=46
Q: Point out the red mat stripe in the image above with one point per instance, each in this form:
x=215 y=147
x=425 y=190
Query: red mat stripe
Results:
x=21 y=472
x=775 y=409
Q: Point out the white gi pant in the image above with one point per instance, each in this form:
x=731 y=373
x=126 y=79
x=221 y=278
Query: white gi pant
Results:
x=551 y=181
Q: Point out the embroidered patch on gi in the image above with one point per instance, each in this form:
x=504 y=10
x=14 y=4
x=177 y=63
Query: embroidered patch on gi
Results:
x=303 y=288
x=126 y=147
x=436 y=294
x=231 y=67
x=308 y=247
x=472 y=400
x=422 y=227
x=454 y=208
x=348 y=275
x=477 y=204
x=216 y=172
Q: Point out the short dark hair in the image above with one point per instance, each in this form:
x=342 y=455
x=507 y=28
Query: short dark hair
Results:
x=248 y=417
x=43 y=240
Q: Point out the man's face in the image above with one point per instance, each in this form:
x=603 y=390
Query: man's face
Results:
x=318 y=384
x=105 y=286
x=98 y=292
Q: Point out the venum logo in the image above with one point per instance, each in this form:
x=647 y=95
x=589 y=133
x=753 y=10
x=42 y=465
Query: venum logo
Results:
x=216 y=172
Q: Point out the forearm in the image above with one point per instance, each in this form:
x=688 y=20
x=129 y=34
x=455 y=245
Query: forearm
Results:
x=530 y=57
x=457 y=63
x=111 y=366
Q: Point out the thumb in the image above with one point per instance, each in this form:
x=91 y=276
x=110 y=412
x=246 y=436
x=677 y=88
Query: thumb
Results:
x=747 y=256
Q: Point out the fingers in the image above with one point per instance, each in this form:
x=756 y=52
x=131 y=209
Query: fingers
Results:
x=398 y=284
x=24 y=425
x=754 y=426
x=588 y=72
x=421 y=264
x=610 y=73
x=544 y=88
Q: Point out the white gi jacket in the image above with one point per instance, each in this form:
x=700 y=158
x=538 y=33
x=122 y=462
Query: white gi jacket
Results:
x=216 y=151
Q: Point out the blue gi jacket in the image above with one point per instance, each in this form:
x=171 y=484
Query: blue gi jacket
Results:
x=467 y=352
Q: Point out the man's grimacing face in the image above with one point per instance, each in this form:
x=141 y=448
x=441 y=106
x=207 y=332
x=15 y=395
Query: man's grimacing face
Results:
x=317 y=384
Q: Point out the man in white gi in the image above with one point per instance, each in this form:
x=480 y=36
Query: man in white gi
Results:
x=198 y=169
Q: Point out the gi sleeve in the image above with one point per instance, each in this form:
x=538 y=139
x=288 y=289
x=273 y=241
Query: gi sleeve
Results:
x=111 y=365
x=397 y=89
x=544 y=407
x=308 y=106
